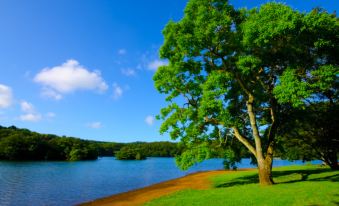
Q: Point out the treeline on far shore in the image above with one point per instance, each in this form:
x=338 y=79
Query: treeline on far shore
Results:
x=23 y=144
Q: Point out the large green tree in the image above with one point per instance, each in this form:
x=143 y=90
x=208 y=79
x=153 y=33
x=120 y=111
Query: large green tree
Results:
x=232 y=73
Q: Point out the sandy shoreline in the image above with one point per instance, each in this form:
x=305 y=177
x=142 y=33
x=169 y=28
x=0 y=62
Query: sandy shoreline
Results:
x=199 y=181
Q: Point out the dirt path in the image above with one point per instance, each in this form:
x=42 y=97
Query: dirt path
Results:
x=137 y=197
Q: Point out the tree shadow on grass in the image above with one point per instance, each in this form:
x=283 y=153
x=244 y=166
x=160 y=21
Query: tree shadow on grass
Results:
x=248 y=179
x=304 y=176
x=336 y=202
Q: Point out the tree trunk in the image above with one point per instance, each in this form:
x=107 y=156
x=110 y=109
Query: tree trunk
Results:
x=265 y=171
x=264 y=164
x=332 y=160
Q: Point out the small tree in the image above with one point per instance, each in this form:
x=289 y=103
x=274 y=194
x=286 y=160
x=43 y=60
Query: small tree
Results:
x=232 y=73
x=312 y=133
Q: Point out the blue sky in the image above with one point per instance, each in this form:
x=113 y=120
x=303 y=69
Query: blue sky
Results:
x=84 y=68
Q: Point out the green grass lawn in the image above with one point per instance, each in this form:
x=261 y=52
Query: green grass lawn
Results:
x=295 y=185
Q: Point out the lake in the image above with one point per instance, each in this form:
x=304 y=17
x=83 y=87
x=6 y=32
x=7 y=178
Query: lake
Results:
x=69 y=183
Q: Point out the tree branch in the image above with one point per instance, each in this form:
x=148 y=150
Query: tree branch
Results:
x=273 y=128
x=240 y=81
x=254 y=126
x=243 y=140
x=237 y=134
x=258 y=147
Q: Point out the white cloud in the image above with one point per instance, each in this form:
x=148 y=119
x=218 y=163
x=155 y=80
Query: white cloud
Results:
x=30 y=114
x=95 y=125
x=149 y=120
x=122 y=51
x=30 y=117
x=67 y=78
x=50 y=93
x=6 y=97
x=117 y=91
x=154 y=65
x=27 y=107
x=128 y=72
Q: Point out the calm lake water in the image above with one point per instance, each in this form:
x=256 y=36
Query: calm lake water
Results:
x=69 y=183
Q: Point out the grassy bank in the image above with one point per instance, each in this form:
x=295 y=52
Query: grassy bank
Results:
x=296 y=185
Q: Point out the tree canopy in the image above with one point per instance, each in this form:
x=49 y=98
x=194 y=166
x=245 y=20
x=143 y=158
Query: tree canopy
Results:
x=234 y=73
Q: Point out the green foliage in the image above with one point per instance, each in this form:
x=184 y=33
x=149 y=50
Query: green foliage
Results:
x=192 y=156
x=248 y=64
x=142 y=150
x=231 y=158
x=128 y=153
x=311 y=133
x=291 y=89
x=297 y=185
x=272 y=22
x=325 y=80
x=108 y=148
x=22 y=144
x=243 y=70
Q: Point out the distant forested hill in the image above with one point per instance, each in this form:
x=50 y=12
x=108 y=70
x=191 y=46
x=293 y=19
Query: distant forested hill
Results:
x=141 y=150
x=23 y=144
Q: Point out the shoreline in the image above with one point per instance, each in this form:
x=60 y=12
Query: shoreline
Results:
x=197 y=180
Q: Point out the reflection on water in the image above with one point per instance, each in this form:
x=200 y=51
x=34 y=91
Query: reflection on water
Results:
x=69 y=183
